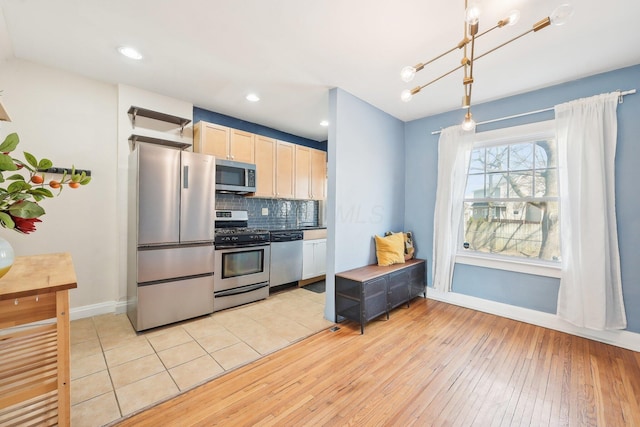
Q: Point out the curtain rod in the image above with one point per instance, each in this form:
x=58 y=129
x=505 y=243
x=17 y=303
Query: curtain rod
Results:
x=435 y=132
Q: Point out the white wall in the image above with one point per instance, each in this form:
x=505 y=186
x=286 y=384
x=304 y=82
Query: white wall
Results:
x=72 y=121
x=77 y=121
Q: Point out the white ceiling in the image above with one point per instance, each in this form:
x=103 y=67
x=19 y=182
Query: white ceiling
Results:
x=291 y=52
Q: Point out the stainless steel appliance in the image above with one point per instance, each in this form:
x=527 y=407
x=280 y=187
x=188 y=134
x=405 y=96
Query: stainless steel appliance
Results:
x=171 y=233
x=242 y=260
x=235 y=177
x=286 y=257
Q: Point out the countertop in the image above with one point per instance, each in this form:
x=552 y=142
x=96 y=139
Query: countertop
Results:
x=304 y=228
x=37 y=275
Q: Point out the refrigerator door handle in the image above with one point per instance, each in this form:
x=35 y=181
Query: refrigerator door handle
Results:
x=185 y=176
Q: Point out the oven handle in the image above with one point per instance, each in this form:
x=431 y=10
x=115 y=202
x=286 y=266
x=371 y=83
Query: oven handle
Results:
x=247 y=245
x=241 y=290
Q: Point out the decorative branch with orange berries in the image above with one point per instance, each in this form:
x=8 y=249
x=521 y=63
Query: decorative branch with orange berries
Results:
x=19 y=209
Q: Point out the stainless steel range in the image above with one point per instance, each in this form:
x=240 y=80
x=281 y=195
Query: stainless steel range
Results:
x=242 y=258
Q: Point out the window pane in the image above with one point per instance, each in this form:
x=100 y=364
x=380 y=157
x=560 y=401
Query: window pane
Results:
x=520 y=184
x=521 y=157
x=497 y=158
x=476 y=164
x=497 y=185
x=546 y=183
x=522 y=229
x=475 y=187
x=546 y=154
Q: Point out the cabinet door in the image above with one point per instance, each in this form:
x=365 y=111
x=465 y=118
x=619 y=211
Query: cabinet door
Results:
x=320 y=257
x=374 y=298
x=285 y=160
x=318 y=175
x=303 y=172
x=398 y=288
x=209 y=138
x=265 y=159
x=308 y=263
x=241 y=147
x=314 y=258
x=417 y=282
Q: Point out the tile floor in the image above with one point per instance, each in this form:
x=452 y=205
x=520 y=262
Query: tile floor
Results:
x=116 y=371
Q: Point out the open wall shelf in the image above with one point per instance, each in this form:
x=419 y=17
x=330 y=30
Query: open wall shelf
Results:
x=156 y=115
x=167 y=142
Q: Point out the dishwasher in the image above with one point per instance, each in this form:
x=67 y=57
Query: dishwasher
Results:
x=286 y=257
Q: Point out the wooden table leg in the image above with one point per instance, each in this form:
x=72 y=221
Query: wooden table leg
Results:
x=64 y=348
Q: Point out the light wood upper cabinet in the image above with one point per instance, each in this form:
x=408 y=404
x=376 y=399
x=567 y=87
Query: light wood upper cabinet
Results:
x=241 y=146
x=209 y=138
x=318 y=175
x=303 y=172
x=311 y=173
x=285 y=168
x=265 y=159
x=223 y=142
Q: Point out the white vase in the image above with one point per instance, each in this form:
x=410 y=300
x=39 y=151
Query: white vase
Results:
x=6 y=256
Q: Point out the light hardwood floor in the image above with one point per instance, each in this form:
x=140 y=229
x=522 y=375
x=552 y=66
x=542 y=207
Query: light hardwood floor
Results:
x=432 y=364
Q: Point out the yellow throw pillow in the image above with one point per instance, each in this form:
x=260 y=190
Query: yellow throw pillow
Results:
x=409 y=250
x=390 y=249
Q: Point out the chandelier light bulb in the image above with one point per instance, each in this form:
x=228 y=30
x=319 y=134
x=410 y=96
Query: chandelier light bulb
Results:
x=408 y=73
x=406 y=95
x=561 y=14
x=472 y=13
x=468 y=124
x=513 y=18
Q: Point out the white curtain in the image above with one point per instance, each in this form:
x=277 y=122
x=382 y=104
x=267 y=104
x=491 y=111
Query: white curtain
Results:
x=590 y=293
x=454 y=150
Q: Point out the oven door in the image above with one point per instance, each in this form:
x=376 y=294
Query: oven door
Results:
x=241 y=266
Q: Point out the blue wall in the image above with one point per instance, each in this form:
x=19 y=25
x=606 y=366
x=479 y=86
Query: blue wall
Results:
x=366 y=181
x=232 y=122
x=535 y=292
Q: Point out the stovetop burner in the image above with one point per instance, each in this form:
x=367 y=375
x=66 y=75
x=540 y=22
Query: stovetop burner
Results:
x=231 y=230
x=240 y=230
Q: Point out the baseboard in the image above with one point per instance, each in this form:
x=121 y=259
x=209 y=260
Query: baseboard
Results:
x=624 y=339
x=306 y=282
x=111 y=307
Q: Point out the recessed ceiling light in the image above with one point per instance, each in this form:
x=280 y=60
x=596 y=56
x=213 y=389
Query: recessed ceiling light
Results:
x=324 y=123
x=252 y=97
x=130 y=52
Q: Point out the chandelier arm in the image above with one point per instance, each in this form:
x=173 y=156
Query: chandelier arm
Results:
x=487 y=31
x=458 y=46
x=505 y=43
x=438 y=78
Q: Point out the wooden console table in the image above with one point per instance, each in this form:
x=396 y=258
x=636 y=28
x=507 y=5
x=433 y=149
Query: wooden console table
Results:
x=364 y=293
x=34 y=359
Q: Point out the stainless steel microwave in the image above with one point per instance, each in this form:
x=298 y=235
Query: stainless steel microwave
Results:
x=235 y=177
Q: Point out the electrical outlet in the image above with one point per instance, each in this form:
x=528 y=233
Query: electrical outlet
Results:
x=265 y=211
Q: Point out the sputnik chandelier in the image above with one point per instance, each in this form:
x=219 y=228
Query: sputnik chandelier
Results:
x=472 y=13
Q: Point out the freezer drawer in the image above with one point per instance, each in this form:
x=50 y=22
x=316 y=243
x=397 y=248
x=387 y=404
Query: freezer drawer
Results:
x=163 y=303
x=176 y=261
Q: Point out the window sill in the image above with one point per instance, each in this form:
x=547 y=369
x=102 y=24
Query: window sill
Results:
x=538 y=268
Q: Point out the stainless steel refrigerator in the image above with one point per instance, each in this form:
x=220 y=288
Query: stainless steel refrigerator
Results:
x=170 y=237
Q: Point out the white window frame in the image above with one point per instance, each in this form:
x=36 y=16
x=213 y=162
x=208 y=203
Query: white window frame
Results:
x=510 y=135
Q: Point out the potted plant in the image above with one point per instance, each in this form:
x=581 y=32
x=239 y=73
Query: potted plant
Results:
x=21 y=193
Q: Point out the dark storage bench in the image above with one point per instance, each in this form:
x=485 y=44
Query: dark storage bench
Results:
x=364 y=293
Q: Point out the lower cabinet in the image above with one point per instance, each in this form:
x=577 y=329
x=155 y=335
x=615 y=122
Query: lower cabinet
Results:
x=314 y=258
x=362 y=294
